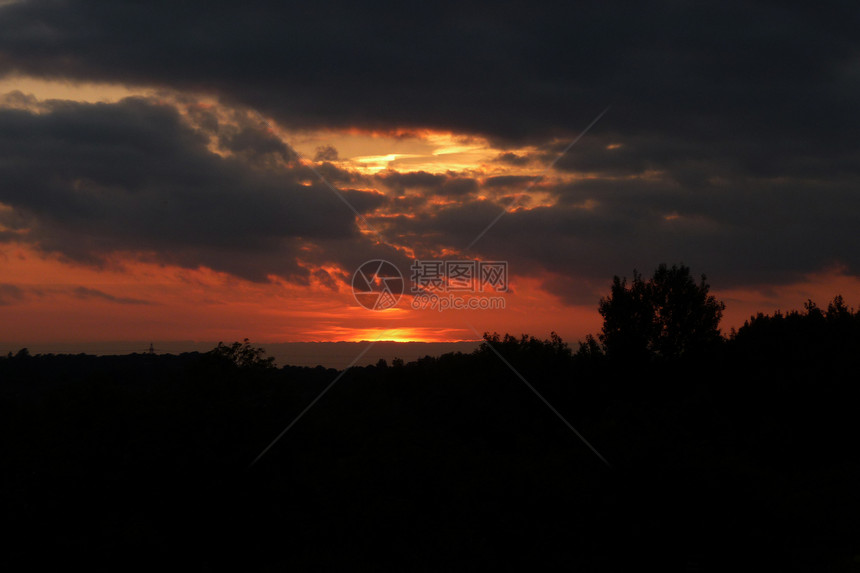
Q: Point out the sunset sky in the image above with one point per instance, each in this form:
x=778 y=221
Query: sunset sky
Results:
x=186 y=171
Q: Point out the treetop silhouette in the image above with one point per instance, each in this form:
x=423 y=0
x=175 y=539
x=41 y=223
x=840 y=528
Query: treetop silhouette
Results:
x=243 y=355
x=667 y=316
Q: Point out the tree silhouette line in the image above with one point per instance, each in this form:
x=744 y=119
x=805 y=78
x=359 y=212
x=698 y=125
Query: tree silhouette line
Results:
x=727 y=452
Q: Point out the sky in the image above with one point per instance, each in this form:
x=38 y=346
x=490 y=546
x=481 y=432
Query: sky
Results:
x=189 y=171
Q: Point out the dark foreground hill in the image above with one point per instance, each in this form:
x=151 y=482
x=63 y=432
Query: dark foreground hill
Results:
x=744 y=458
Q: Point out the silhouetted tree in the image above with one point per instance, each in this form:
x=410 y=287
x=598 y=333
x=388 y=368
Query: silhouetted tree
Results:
x=589 y=350
x=668 y=316
x=687 y=317
x=243 y=355
x=628 y=319
x=837 y=310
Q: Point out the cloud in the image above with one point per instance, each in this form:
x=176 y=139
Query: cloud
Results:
x=255 y=143
x=90 y=293
x=513 y=182
x=511 y=158
x=508 y=71
x=740 y=232
x=10 y=294
x=88 y=180
x=431 y=184
x=326 y=153
x=13 y=294
x=731 y=143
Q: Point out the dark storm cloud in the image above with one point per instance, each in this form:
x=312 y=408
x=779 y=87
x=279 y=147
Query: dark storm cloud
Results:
x=738 y=232
x=88 y=180
x=438 y=184
x=256 y=143
x=509 y=70
x=334 y=174
x=511 y=158
x=401 y=182
x=731 y=144
x=206 y=119
x=514 y=182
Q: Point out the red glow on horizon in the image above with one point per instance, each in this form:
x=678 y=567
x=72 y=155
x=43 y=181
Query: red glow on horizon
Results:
x=131 y=299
